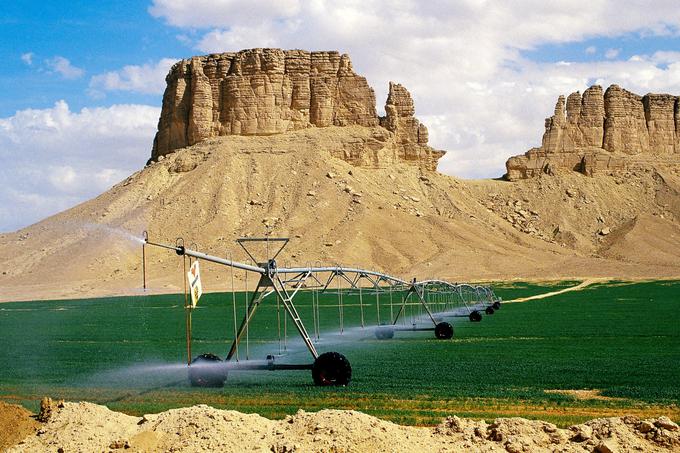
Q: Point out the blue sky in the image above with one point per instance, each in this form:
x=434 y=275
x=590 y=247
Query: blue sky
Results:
x=621 y=47
x=83 y=81
x=97 y=37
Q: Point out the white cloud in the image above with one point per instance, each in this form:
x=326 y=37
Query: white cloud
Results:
x=64 y=67
x=238 y=37
x=148 y=78
x=54 y=158
x=217 y=13
x=662 y=57
x=610 y=54
x=27 y=58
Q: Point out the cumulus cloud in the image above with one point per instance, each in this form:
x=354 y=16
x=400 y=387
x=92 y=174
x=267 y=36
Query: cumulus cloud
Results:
x=56 y=157
x=220 y=13
x=481 y=97
x=239 y=37
x=64 y=67
x=27 y=58
x=148 y=78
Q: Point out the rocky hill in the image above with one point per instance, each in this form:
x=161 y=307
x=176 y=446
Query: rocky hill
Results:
x=608 y=133
x=347 y=187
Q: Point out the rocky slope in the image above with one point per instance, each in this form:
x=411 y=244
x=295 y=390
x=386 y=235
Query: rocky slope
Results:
x=611 y=133
x=88 y=427
x=357 y=194
x=404 y=219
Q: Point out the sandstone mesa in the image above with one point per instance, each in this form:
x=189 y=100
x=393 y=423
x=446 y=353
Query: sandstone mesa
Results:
x=604 y=132
x=273 y=91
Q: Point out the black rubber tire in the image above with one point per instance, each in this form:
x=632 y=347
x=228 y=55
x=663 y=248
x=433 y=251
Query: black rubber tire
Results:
x=489 y=310
x=384 y=332
x=331 y=369
x=496 y=305
x=204 y=371
x=475 y=316
x=443 y=331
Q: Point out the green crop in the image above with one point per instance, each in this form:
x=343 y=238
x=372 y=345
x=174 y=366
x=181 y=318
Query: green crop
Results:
x=621 y=339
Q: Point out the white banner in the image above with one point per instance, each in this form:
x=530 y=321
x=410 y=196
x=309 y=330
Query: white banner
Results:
x=196 y=289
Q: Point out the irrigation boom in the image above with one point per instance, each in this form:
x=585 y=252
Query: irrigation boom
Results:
x=270 y=267
x=330 y=368
x=181 y=250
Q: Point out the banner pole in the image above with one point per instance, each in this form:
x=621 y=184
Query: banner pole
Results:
x=145 y=235
x=144 y=265
x=187 y=309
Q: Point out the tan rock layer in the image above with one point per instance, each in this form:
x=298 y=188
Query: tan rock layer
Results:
x=607 y=132
x=411 y=135
x=272 y=91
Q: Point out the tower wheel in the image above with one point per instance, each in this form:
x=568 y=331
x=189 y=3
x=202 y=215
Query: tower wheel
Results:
x=475 y=316
x=384 y=332
x=443 y=331
x=207 y=370
x=331 y=369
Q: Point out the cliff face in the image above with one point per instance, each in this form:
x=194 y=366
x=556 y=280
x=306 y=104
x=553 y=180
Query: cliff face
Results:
x=273 y=91
x=603 y=133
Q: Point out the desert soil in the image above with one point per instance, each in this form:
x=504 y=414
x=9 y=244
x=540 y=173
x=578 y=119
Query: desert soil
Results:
x=16 y=423
x=89 y=427
x=584 y=284
x=401 y=219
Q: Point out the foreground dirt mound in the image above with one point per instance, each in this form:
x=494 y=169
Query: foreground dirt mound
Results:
x=16 y=423
x=89 y=427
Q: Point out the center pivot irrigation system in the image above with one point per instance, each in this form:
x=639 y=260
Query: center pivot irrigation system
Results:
x=434 y=300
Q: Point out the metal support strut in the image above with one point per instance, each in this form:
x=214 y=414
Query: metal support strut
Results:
x=414 y=289
x=271 y=279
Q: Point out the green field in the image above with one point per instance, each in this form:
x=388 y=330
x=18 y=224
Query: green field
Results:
x=621 y=339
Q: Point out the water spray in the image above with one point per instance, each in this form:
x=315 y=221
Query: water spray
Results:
x=284 y=283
